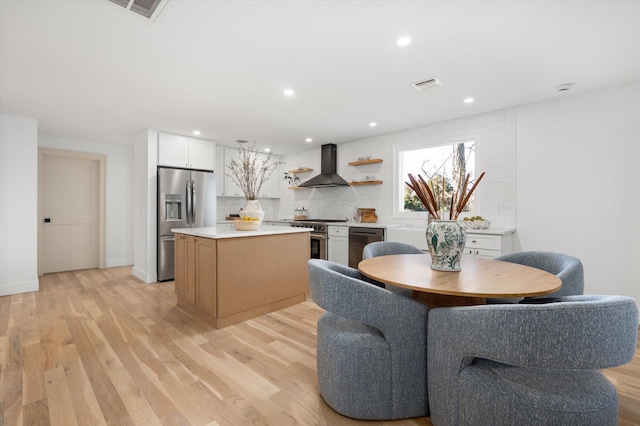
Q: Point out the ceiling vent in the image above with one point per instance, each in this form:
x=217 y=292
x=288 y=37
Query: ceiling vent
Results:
x=147 y=8
x=423 y=85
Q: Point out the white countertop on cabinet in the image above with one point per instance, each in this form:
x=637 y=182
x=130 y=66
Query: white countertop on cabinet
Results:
x=486 y=243
x=490 y=231
x=364 y=225
x=230 y=232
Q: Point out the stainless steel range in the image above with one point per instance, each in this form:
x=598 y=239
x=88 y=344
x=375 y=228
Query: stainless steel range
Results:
x=318 y=235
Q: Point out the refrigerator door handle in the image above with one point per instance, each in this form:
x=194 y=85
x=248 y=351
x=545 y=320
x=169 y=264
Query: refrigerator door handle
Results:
x=194 y=204
x=189 y=207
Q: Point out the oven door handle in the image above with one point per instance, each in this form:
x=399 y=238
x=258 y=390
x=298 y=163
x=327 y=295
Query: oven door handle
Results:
x=319 y=236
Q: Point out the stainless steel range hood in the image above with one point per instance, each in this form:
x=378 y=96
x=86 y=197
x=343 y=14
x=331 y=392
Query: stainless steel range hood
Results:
x=328 y=176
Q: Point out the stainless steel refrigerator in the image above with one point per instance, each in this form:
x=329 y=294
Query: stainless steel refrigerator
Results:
x=186 y=199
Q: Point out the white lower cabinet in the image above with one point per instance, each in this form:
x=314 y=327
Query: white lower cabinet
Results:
x=481 y=243
x=485 y=245
x=338 y=247
x=481 y=254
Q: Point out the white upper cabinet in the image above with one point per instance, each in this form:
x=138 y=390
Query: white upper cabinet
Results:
x=221 y=170
x=230 y=188
x=271 y=187
x=173 y=150
x=202 y=154
x=183 y=151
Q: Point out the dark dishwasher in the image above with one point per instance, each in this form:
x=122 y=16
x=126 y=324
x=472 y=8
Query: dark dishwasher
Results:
x=360 y=237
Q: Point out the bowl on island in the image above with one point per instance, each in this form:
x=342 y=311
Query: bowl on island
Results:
x=246 y=224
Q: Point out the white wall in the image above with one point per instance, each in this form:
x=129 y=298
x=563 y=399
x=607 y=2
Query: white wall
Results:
x=119 y=193
x=18 y=204
x=144 y=213
x=577 y=176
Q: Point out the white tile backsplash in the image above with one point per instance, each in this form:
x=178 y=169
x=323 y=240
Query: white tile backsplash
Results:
x=497 y=187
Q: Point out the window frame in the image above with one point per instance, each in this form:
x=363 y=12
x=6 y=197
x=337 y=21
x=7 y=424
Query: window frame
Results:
x=431 y=142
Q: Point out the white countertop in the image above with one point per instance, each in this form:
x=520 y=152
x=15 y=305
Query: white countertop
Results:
x=285 y=222
x=280 y=221
x=230 y=232
x=490 y=231
x=364 y=224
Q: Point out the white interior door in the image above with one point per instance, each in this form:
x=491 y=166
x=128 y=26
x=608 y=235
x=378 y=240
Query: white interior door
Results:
x=70 y=209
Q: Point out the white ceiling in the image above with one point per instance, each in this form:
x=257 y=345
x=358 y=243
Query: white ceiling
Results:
x=91 y=70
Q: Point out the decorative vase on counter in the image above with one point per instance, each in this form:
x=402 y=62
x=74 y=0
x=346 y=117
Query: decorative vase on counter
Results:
x=446 y=240
x=252 y=209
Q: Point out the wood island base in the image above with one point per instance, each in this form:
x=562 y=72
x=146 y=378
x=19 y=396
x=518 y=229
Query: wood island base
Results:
x=229 y=280
x=241 y=316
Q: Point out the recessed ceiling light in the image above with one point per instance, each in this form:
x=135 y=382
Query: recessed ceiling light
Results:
x=403 y=41
x=468 y=100
x=288 y=92
x=373 y=124
x=267 y=150
x=196 y=132
x=308 y=140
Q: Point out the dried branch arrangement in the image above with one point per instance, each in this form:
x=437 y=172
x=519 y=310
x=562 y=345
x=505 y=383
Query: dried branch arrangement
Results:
x=459 y=200
x=250 y=170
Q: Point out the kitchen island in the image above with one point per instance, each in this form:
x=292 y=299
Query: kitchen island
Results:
x=226 y=276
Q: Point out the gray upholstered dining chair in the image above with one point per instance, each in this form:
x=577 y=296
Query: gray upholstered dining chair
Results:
x=372 y=345
x=385 y=248
x=568 y=268
x=529 y=364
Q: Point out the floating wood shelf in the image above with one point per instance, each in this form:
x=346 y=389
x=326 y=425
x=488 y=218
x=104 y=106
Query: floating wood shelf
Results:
x=303 y=170
x=361 y=162
x=297 y=187
x=366 y=182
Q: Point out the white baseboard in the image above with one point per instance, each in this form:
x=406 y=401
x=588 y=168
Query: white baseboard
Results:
x=123 y=261
x=23 y=287
x=144 y=276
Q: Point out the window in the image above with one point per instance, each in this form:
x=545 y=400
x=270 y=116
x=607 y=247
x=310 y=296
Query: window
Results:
x=441 y=163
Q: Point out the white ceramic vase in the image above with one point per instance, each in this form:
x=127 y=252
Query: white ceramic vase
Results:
x=446 y=240
x=252 y=209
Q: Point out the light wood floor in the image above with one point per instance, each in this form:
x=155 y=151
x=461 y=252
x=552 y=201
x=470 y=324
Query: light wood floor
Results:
x=100 y=347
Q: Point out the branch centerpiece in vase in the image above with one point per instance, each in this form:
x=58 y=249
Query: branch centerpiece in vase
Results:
x=445 y=238
x=249 y=170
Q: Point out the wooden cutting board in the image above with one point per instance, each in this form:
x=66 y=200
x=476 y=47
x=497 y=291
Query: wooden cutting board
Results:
x=369 y=215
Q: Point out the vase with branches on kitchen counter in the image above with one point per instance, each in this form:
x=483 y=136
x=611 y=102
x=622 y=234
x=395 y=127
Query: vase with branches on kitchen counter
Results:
x=249 y=171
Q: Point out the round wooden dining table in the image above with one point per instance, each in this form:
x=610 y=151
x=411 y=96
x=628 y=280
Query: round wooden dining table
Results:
x=477 y=279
